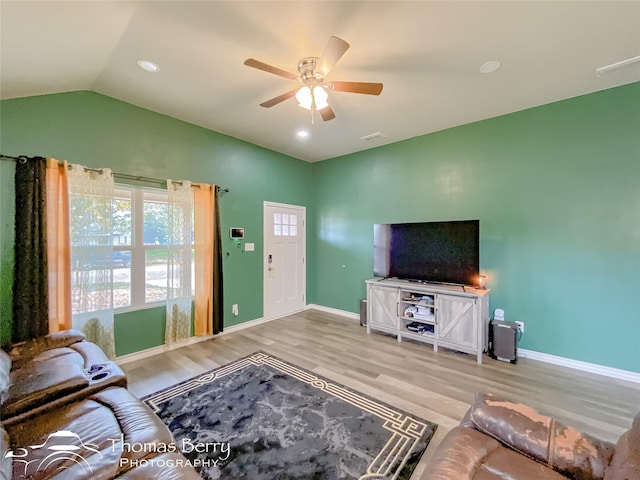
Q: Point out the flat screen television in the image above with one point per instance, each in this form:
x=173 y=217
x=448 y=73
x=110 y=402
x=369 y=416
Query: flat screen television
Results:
x=440 y=252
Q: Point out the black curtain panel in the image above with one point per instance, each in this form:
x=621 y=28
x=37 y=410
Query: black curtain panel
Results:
x=30 y=290
x=217 y=306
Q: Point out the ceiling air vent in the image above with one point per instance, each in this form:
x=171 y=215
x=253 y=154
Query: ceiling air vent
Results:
x=372 y=137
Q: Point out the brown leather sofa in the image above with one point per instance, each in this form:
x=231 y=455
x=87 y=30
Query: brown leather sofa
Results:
x=66 y=415
x=500 y=439
x=109 y=434
x=43 y=373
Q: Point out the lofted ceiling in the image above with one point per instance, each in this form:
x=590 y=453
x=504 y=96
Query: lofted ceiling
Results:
x=427 y=54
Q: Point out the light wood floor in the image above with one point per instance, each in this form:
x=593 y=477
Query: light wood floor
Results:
x=438 y=387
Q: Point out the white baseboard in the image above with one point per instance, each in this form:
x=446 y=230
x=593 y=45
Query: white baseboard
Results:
x=150 y=352
x=334 y=311
x=533 y=355
x=580 y=365
x=244 y=325
x=524 y=353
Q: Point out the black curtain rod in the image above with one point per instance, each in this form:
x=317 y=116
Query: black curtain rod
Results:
x=21 y=159
x=124 y=176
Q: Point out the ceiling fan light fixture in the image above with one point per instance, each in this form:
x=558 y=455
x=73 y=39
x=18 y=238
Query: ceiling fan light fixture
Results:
x=320 y=96
x=304 y=97
x=317 y=99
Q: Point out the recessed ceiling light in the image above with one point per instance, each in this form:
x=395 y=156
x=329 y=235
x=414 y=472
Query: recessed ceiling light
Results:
x=490 y=66
x=302 y=133
x=148 y=66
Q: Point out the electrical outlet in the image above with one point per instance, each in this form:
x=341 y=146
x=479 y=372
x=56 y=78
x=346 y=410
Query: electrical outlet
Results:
x=520 y=326
x=234 y=309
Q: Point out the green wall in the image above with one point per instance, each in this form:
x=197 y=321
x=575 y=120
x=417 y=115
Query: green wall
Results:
x=556 y=188
x=98 y=131
x=557 y=192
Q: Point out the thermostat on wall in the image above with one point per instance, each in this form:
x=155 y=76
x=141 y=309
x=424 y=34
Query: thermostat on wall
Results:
x=236 y=233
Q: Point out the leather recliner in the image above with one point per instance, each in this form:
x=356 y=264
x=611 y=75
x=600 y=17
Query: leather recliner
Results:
x=110 y=434
x=65 y=415
x=499 y=439
x=43 y=373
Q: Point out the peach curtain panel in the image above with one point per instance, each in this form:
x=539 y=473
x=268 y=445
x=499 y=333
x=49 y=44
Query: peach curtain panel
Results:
x=203 y=210
x=58 y=246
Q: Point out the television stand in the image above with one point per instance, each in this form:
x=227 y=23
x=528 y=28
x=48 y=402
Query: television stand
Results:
x=436 y=314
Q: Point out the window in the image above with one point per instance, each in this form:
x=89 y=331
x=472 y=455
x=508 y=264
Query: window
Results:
x=140 y=249
x=285 y=225
x=151 y=247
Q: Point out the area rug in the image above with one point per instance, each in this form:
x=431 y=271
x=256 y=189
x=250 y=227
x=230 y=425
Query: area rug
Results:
x=262 y=418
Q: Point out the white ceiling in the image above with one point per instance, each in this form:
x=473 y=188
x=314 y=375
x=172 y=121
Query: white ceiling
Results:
x=427 y=54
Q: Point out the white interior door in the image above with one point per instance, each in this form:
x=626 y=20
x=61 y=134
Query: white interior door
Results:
x=284 y=259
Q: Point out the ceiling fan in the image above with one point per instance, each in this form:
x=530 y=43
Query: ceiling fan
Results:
x=312 y=73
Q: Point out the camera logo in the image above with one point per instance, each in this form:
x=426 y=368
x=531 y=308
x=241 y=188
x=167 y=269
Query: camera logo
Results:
x=59 y=451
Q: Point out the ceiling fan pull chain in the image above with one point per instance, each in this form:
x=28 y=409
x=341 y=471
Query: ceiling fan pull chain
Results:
x=313 y=104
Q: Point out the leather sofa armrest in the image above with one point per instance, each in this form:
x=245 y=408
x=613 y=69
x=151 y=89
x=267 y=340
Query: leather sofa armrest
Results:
x=626 y=457
x=139 y=425
x=91 y=353
x=22 y=352
x=541 y=438
x=459 y=454
x=40 y=385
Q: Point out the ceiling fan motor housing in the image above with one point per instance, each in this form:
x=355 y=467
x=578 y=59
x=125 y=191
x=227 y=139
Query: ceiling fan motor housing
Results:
x=307 y=70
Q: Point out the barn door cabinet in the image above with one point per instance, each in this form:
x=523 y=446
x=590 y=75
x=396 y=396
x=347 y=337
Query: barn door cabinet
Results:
x=448 y=316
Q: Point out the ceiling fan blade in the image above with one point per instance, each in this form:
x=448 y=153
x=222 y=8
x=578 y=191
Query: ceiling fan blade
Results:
x=335 y=49
x=252 y=62
x=358 y=87
x=327 y=113
x=280 y=98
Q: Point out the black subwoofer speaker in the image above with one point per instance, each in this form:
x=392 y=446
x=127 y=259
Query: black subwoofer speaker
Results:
x=503 y=341
x=363 y=313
